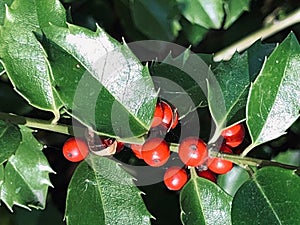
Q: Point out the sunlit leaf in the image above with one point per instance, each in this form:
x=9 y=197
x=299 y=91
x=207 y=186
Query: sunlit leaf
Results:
x=23 y=57
x=26 y=175
x=203 y=202
x=274 y=100
x=102 y=185
x=105 y=86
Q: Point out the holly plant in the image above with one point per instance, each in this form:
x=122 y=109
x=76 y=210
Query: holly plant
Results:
x=104 y=121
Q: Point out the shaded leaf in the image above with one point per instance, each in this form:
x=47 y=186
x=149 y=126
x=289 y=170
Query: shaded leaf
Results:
x=124 y=15
x=177 y=81
x=193 y=32
x=26 y=175
x=106 y=87
x=228 y=100
x=109 y=191
x=10 y=138
x=274 y=100
x=290 y=157
x=257 y=54
x=203 y=202
x=233 y=180
x=27 y=67
x=206 y=13
x=233 y=10
x=270 y=197
x=11 y=101
x=160 y=16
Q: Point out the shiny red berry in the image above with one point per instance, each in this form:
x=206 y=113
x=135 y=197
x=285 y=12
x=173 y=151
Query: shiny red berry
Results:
x=218 y=165
x=192 y=151
x=155 y=152
x=207 y=174
x=158 y=115
x=168 y=114
x=137 y=150
x=75 y=149
x=234 y=135
x=175 y=178
x=165 y=115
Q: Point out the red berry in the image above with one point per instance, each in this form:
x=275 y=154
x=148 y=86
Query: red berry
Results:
x=158 y=115
x=175 y=178
x=120 y=146
x=218 y=165
x=192 y=151
x=207 y=174
x=137 y=150
x=234 y=135
x=75 y=149
x=168 y=114
x=165 y=115
x=155 y=152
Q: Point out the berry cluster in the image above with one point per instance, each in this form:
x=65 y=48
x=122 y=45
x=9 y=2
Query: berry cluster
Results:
x=155 y=151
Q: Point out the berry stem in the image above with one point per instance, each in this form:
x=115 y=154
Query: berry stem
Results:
x=240 y=160
x=262 y=34
x=36 y=123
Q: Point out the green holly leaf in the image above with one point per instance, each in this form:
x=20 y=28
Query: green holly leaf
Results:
x=290 y=157
x=26 y=175
x=271 y=196
x=206 y=13
x=177 y=82
x=233 y=10
x=257 y=54
x=2 y=9
x=159 y=16
x=27 y=67
x=10 y=138
x=233 y=180
x=203 y=202
x=105 y=86
x=123 y=10
x=227 y=96
x=193 y=32
x=274 y=100
x=1 y=176
x=102 y=185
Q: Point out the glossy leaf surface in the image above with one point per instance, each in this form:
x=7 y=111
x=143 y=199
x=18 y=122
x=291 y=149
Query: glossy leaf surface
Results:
x=26 y=175
x=233 y=180
x=274 y=100
x=106 y=87
x=102 y=185
x=270 y=197
x=27 y=67
x=203 y=202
